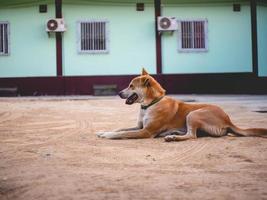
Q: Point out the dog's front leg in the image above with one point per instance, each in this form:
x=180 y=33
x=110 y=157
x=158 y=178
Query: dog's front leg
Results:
x=138 y=127
x=133 y=134
x=128 y=129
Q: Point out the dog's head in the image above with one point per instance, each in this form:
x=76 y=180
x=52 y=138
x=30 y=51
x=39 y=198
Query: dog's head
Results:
x=141 y=88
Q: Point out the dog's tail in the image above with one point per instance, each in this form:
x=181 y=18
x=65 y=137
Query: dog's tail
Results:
x=258 y=132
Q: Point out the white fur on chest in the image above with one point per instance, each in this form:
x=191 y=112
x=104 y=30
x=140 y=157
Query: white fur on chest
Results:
x=145 y=117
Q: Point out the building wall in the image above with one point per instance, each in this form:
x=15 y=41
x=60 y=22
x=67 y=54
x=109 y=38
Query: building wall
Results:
x=32 y=53
x=132 y=40
x=229 y=40
x=262 y=39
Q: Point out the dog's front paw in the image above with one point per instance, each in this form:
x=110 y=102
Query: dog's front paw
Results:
x=108 y=135
x=99 y=134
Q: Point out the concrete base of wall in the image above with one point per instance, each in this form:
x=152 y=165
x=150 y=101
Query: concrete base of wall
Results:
x=232 y=83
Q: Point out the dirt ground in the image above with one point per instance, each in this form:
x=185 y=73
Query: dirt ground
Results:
x=49 y=150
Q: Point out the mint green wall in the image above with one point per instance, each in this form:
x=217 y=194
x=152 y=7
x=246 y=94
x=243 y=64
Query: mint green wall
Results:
x=262 y=39
x=32 y=53
x=229 y=40
x=132 y=40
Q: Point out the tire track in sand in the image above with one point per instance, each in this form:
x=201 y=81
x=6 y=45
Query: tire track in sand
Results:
x=189 y=152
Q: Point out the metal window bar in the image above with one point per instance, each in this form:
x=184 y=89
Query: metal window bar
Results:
x=97 y=36
x=82 y=36
x=100 y=35
x=85 y=36
x=6 y=38
x=189 y=32
x=104 y=35
x=81 y=39
x=1 y=38
x=89 y=45
x=4 y=48
x=196 y=42
x=96 y=32
x=89 y=36
x=195 y=34
x=85 y=42
x=191 y=35
x=183 y=34
x=203 y=35
x=94 y=36
x=199 y=35
x=187 y=36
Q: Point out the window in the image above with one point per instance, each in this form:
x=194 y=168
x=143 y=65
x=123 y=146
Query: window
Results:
x=93 y=36
x=4 y=38
x=193 y=35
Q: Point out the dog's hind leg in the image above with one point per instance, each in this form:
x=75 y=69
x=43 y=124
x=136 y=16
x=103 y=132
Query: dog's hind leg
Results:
x=214 y=122
x=192 y=125
x=190 y=134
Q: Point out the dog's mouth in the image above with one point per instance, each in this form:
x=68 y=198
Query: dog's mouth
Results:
x=131 y=99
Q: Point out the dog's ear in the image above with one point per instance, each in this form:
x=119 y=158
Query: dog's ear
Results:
x=144 y=72
x=146 y=82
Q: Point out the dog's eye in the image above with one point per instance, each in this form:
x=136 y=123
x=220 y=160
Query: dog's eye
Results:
x=131 y=86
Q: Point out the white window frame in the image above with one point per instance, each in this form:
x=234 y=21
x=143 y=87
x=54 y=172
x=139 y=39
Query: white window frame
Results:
x=79 y=49
x=189 y=50
x=8 y=39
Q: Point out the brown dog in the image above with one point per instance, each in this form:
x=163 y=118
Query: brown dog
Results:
x=163 y=116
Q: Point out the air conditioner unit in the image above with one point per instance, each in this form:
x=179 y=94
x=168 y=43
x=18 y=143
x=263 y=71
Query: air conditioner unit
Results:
x=167 y=24
x=55 y=25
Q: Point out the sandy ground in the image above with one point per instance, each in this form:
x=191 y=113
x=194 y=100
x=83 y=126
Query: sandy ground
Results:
x=48 y=150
